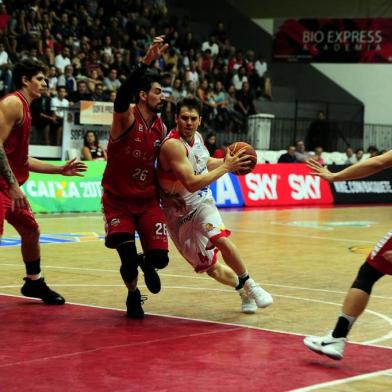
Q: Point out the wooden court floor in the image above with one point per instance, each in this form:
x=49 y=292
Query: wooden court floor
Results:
x=306 y=257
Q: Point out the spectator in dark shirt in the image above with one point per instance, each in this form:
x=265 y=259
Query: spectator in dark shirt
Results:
x=319 y=132
x=82 y=93
x=289 y=156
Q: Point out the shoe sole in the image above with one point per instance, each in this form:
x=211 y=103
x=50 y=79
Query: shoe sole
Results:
x=310 y=346
x=249 y=311
x=60 y=302
x=152 y=281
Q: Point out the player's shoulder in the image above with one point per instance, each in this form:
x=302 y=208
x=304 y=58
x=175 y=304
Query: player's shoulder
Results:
x=11 y=106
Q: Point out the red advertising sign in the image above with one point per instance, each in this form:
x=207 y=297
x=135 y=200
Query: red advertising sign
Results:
x=284 y=184
x=333 y=40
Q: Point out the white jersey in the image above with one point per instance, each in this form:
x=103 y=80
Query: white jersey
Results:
x=194 y=229
x=198 y=156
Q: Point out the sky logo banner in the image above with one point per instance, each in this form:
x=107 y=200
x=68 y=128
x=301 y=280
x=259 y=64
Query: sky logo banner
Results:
x=284 y=184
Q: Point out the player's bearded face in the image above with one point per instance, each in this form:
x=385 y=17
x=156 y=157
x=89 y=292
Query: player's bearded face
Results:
x=155 y=98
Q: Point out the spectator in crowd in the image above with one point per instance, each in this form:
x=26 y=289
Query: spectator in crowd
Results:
x=236 y=118
x=219 y=97
x=350 y=157
x=111 y=82
x=211 y=45
x=317 y=156
x=300 y=152
x=42 y=117
x=63 y=59
x=373 y=151
x=359 y=155
x=245 y=102
x=210 y=143
x=58 y=104
x=319 y=132
x=289 y=156
x=205 y=63
x=68 y=80
x=190 y=88
x=91 y=150
x=191 y=73
x=82 y=93
x=5 y=72
x=93 y=79
x=99 y=93
x=178 y=91
x=239 y=78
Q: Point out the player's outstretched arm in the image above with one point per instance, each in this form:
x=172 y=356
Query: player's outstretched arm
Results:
x=73 y=167
x=358 y=170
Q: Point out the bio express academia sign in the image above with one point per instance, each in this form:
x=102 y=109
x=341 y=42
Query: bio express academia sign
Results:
x=267 y=185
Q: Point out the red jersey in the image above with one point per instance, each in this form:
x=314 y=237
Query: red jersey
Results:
x=17 y=145
x=130 y=168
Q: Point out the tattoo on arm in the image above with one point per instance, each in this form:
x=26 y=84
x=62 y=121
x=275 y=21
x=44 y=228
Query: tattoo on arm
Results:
x=5 y=169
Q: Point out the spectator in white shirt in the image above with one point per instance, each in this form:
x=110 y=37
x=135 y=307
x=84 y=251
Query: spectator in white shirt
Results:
x=58 y=104
x=212 y=45
x=62 y=59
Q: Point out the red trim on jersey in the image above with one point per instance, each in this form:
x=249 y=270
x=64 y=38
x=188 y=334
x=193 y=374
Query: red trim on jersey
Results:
x=224 y=233
x=201 y=269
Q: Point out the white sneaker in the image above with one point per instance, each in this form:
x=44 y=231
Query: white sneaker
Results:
x=326 y=345
x=262 y=297
x=248 y=305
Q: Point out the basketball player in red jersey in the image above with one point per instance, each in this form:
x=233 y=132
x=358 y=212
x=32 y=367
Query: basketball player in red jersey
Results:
x=15 y=164
x=130 y=197
x=377 y=264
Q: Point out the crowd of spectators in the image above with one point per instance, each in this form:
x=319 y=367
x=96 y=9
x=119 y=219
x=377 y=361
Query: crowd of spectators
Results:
x=90 y=46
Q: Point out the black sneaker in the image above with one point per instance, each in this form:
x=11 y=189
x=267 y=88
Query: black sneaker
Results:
x=151 y=277
x=39 y=289
x=134 y=304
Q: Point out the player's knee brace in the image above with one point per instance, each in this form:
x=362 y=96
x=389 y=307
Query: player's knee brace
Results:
x=116 y=239
x=367 y=276
x=126 y=249
x=158 y=258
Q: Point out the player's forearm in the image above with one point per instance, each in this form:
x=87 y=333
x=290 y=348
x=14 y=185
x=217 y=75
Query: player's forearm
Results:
x=213 y=163
x=365 y=168
x=198 y=182
x=37 y=166
x=5 y=168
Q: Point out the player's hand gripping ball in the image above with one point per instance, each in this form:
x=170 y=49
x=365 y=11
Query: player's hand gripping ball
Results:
x=235 y=147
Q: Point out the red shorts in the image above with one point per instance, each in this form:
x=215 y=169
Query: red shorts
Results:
x=128 y=216
x=21 y=218
x=376 y=259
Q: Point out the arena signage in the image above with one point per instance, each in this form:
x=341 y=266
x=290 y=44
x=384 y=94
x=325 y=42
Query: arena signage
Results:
x=333 y=40
x=374 y=189
x=283 y=184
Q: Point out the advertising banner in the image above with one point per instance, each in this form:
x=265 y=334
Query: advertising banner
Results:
x=374 y=189
x=95 y=112
x=73 y=134
x=284 y=184
x=333 y=40
x=55 y=193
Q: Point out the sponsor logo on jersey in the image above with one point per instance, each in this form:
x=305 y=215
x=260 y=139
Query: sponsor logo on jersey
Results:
x=115 y=222
x=140 y=128
x=209 y=227
x=157 y=143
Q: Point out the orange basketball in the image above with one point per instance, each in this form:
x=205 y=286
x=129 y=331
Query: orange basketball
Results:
x=235 y=147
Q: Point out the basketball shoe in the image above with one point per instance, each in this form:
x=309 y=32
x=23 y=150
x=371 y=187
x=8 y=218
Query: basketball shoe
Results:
x=248 y=305
x=261 y=297
x=151 y=277
x=39 y=289
x=326 y=345
x=134 y=304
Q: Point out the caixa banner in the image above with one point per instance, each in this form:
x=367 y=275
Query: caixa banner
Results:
x=333 y=40
x=272 y=185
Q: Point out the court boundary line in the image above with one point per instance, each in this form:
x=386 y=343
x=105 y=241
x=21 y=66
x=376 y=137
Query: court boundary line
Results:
x=201 y=320
x=327 y=384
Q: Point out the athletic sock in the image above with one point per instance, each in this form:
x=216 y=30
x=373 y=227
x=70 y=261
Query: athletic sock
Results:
x=343 y=326
x=33 y=269
x=241 y=280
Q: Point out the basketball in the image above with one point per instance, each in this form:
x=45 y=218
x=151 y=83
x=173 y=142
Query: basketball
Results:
x=235 y=147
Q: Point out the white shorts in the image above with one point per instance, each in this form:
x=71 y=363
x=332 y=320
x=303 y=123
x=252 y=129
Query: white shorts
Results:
x=194 y=233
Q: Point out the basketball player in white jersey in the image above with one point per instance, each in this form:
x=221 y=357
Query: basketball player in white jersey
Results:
x=185 y=171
